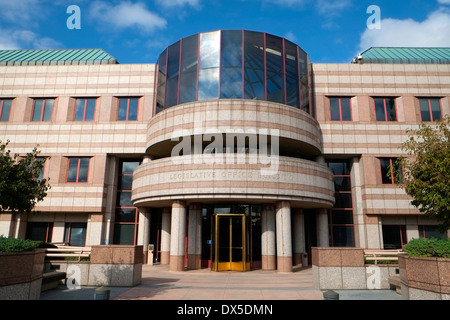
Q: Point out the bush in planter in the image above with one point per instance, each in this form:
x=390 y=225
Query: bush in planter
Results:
x=15 y=245
x=424 y=247
x=20 y=245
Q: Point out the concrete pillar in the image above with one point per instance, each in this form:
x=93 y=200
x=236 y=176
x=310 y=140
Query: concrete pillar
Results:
x=94 y=229
x=195 y=237
x=268 y=241
x=6 y=223
x=58 y=231
x=165 y=236
x=323 y=239
x=299 y=236
x=177 y=236
x=144 y=229
x=284 y=237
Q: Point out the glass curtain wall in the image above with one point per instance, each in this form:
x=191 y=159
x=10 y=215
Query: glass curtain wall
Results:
x=233 y=64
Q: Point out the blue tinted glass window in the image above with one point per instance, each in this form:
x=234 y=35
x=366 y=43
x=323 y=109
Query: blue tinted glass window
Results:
x=208 y=84
x=43 y=109
x=231 y=65
x=162 y=63
x=292 y=76
x=254 y=82
x=85 y=109
x=189 y=66
x=5 y=109
x=274 y=69
x=210 y=50
x=173 y=69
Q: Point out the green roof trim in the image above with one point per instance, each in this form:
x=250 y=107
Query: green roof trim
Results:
x=55 y=57
x=404 y=55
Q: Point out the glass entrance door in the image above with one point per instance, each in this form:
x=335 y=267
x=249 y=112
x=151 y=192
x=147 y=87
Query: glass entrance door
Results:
x=230 y=250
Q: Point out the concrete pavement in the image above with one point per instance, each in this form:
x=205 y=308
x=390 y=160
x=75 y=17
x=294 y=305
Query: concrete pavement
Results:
x=158 y=283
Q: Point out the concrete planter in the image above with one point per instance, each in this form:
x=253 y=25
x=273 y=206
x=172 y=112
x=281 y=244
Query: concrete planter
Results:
x=21 y=275
x=424 y=278
x=112 y=265
x=345 y=269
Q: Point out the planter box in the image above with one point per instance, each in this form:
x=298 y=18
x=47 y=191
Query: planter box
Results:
x=109 y=265
x=21 y=275
x=424 y=278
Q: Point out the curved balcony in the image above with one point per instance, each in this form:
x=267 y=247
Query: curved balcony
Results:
x=252 y=178
x=298 y=132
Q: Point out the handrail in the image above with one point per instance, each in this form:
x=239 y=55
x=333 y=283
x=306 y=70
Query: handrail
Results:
x=381 y=255
x=68 y=251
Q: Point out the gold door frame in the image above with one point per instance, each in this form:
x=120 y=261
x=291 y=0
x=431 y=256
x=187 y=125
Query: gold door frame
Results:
x=230 y=265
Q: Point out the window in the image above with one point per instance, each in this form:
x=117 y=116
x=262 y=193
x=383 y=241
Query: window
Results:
x=127 y=217
x=41 y=174
x=75 y=234
x=431 y=231
x=385 y=109
x=340 y=109
x=430 y=109
x=78 y=170
x=341 y=216
x=394 y=236
x=43 y=109
x=5 y=109
x=128 y=109
x=39 y=231
x=387 y=175
x=85 y=109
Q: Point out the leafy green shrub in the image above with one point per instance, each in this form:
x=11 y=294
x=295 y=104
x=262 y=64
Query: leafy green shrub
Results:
x=428 y=248
x=16 y=245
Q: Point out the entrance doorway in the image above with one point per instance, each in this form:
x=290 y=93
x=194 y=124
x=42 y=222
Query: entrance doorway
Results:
x=230 y=250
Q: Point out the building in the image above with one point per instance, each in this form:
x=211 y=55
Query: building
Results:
x=232 y=152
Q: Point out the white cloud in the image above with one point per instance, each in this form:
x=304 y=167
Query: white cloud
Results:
x=332 y=7
x=126 y=15
x=432 y=32
x=444 y=1
x=25 y=39
x=178 y=3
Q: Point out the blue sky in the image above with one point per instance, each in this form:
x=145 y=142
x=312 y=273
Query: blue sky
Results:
x=136 y=31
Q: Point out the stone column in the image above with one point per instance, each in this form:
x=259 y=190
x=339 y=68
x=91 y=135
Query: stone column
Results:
x=268 y=243
x=94 y=229
x=144 y=230
x=195 y=237
x=165 y=236
x=177 y=236
x=299 y=236
x=323 y=239
x=284 y=237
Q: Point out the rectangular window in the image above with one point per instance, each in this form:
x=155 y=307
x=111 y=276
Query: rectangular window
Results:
x=394 y=236
x=127 y=217
x=430 y=109
x=85 y=109
x=387 y=175
x=43 y=109
x=5 y=109
x=41 y=175
x=75 y=234
x=340 y=109
x=385 y=109
x=39 y=231
x=128 y=109
x=341 y=216
x=431 y=231
x=78 y=170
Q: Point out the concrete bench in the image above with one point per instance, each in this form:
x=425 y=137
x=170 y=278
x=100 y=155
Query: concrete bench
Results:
x=395 y=283
x=51 y=279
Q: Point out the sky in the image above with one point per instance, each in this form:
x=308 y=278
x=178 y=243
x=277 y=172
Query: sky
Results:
x=137 y=31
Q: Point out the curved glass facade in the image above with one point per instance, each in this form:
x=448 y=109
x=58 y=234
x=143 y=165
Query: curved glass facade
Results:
x=233 y=64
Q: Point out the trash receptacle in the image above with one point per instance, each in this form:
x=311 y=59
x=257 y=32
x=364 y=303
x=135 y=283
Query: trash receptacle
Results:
x=304 y=259
x=101 y=293
x=330 y=295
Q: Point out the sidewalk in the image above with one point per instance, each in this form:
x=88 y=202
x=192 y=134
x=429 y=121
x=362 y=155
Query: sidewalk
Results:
x=158 y=283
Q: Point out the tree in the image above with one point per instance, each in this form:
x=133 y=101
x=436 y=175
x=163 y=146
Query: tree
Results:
x=426 y=170
x=20 y=186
